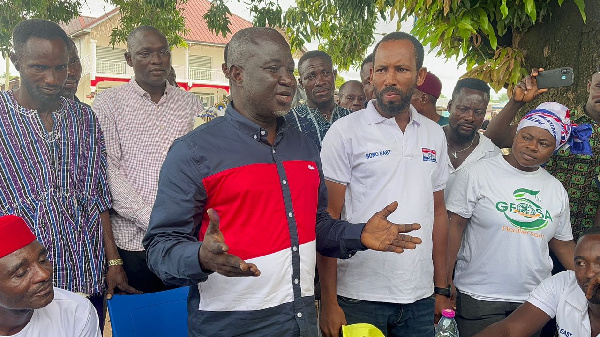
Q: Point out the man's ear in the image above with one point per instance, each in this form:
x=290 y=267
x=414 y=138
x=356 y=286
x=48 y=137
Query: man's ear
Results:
x=589 y=86
x=128 y=59
x=421 y=75
x=300 y=82
x=15 y=61
x=236 y=75
x=449 y=105
x=334 y=75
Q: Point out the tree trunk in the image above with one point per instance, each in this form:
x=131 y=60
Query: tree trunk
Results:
x=564 y=40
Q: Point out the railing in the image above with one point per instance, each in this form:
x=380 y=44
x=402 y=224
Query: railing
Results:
x=111 y=67
x=206 y=74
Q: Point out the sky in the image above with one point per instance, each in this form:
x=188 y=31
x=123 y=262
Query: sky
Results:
x=447 y=70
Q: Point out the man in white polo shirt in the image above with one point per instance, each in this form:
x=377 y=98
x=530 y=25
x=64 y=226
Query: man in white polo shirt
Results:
x=29 y=305
x=573 y=297
x=387 y=152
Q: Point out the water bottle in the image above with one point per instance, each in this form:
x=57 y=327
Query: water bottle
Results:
x=446 y=327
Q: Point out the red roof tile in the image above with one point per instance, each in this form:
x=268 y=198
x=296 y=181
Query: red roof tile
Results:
x=193 y=11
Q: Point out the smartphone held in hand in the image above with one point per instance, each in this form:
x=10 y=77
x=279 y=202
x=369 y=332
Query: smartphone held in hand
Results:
x=555 y=78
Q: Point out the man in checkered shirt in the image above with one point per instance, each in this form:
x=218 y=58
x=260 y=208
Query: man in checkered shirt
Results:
x=140 y=120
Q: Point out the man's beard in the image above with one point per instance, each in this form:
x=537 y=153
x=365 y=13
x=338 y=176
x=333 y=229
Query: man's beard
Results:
x=462 y=137
x=395 y=108
x=39 y=96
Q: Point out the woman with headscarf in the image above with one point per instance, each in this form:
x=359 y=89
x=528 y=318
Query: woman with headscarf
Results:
x=506 y=212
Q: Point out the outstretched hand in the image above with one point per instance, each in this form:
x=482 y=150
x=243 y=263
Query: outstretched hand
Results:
x=383 y=235
x=213 y=254
x=526 y=89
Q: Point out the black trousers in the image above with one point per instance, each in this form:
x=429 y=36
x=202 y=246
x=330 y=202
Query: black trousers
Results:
x=138 y=274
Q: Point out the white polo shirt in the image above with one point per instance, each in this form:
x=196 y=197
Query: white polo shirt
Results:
x=484 y=149
x=560 y=296
x=380 y=164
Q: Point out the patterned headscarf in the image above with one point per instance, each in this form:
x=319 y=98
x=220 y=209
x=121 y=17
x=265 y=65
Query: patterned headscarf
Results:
x=555 y=118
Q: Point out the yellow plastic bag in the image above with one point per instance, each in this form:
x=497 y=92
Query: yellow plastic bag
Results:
x=361 y=330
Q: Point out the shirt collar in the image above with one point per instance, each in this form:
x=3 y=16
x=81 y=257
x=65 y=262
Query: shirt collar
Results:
x=303 y=110
x=374 y=117
x=141 y=92
x=577 y=298
x=250 y=128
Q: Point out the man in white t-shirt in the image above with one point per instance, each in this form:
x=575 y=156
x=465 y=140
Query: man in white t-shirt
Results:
x=466 y=145
x=29 y=305
x=562 y=296
x=386 y=152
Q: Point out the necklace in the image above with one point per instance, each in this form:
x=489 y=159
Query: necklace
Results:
x=454 y=152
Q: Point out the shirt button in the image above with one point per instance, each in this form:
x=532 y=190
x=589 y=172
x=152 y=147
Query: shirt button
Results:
x=255 y=137
x=290 y=214
x=262 y=132
x=295 y=248
x=295 y=281
x=284 y=182
x=299 y=314
x=273 y=150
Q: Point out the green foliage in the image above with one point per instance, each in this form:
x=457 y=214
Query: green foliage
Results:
x=14 y=11
x=164 y=15
x=339 y=80
x=479 y=33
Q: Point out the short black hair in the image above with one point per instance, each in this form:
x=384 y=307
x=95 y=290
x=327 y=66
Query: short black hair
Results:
x=225 y=53
x=471 y=83
x=589 y=231
x=397 y=36
x=243 y=44
x=141 y=29
x=71 y=46
x=369 y=59
x=347 y=83
x=314 y=54
x=39 y=28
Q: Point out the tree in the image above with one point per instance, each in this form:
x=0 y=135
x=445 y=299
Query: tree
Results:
x=164 y=15
x=14 y=11
x=498 y=40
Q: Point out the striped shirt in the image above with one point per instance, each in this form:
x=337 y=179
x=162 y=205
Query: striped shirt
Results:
x=56 y=181
x=311 y=121
x=138 y=135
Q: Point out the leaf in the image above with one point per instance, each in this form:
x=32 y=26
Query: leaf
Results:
x=530 y=9
x=581 y=5
x=504 y=9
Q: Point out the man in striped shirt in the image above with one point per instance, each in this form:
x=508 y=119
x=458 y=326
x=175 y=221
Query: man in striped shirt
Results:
x=317 y=78
x=140 y=120
x=52 y=161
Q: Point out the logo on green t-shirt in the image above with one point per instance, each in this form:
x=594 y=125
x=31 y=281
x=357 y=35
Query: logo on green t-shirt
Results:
x=524 y=213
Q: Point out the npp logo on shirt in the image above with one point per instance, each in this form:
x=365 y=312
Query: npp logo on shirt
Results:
x=428 y=155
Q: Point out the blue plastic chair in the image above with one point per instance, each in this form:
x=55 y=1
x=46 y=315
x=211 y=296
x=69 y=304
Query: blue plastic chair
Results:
x=155 y=314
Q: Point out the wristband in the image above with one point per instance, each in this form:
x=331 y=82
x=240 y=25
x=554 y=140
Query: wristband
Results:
x=115 y=262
